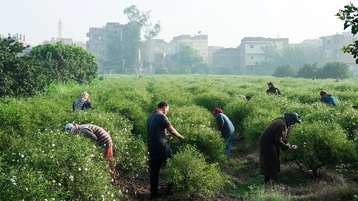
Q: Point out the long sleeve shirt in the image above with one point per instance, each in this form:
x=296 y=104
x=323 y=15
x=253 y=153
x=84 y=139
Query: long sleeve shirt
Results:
x=97 y=134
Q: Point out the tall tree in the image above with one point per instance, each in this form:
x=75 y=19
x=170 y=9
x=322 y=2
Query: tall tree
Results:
x=285 y=71
x=140 y=31
x=350 y=16
x=188 y=56
x=114 y=52
x=334 y=70
x=308 y=70
x=271 y=52
x=293 y=55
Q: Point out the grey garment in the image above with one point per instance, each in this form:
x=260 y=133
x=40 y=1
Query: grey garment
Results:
x=157 y=144
x=77 y=105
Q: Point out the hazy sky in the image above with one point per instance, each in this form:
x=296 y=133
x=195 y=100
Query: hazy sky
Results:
x=225 y=22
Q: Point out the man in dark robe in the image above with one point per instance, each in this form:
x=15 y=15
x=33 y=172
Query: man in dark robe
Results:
x=274 y=138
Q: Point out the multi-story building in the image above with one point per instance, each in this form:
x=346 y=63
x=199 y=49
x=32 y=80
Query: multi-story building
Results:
x=211 y=51
x=252 y=50
x=198 y=42
x=331 y=50
x=101 y=40
x=159 y=53
x=226 y=56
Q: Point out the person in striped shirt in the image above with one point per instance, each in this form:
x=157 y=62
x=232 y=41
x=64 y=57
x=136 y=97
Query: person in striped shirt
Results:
x=83 y=102
x=101 y=137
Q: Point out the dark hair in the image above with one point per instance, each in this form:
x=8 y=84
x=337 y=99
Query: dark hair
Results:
x=162 y=104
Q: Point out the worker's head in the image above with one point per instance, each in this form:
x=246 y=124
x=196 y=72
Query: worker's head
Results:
x=164 y=107
x=270 y=84
x=217 y=111
x=323 y=92
x=84 y=95
x=70 y=127
x=292 y=118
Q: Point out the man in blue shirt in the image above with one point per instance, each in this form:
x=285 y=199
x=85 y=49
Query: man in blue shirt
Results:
x=226 y=128
x=158 y=147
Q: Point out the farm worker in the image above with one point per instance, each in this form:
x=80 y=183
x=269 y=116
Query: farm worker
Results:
x=328 y=98
x=272 y=139
x=272 y=89
x=159 y=150
x=244 y=97
x=83 y=102
x=225 y=127
x=101 y=137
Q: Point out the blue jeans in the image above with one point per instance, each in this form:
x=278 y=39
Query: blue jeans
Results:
x=228 y=143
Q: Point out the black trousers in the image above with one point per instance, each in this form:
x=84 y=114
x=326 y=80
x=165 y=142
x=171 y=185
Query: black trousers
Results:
x=87 y=105
x=154 y=169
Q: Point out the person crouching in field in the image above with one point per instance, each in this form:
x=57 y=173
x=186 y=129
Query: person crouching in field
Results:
x=226 y=128
x=328 y=98
x=274 y=138
x=83 y=102
x=272 y=89
x=101 y=137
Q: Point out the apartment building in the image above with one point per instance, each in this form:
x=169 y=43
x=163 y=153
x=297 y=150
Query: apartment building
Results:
x=252 y=49
x=331 y=49
x=198 y=42
x=159 y=53
x=101 y=41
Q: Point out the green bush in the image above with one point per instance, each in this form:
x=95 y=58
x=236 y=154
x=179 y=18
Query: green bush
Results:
x=198 y=126
x=20 y=76
x=320 y=144
x=255 y=124
x=55 y=165
x=192 y=176
x=65 y=63
x=212 y=100
x=130 y=152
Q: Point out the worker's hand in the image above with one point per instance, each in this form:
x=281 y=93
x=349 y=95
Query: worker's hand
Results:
x=294 y=147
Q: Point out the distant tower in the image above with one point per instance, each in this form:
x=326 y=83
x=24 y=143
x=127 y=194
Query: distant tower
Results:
x=59 y=24
x=278 y=34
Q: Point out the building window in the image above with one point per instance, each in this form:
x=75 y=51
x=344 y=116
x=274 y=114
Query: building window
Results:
x=251 y=46
x=252 y=57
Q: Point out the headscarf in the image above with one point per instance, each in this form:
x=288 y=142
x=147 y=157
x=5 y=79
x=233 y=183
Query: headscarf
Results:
x=217 y=111
x=291 y=118
x=323 y=92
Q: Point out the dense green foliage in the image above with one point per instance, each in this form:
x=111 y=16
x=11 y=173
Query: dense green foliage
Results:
x=64 y=63
x=192 y=176
x=25 y=75
x=32 y=131
x=20 y=76
x=328 y=70
x=349 y=14
x=285 y=71
x=188 y=61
